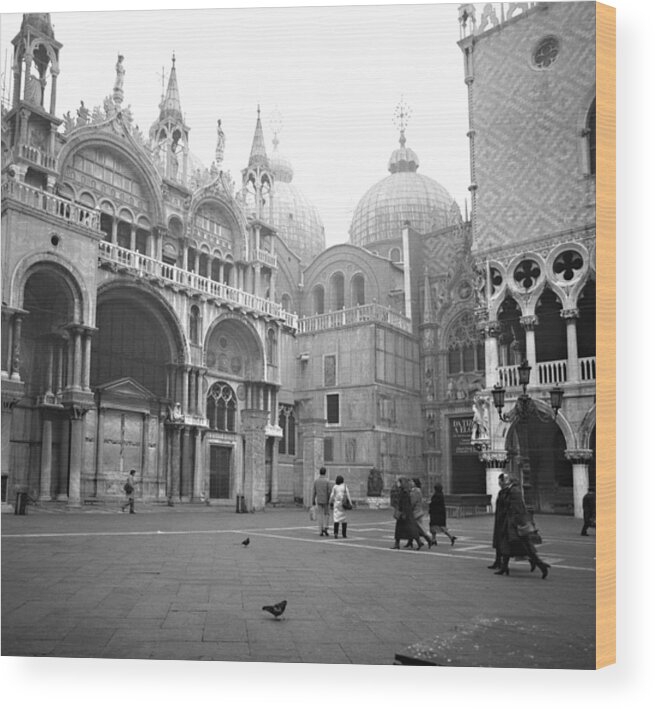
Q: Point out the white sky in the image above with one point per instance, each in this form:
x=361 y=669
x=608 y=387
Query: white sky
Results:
x=335 y=74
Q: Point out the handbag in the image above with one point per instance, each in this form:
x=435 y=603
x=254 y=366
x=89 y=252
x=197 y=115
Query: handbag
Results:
x=346 y=503
x=312 y=513
x=526 y=529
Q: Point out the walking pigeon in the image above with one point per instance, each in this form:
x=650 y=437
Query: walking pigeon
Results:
x=276 y=610
x=246 y=541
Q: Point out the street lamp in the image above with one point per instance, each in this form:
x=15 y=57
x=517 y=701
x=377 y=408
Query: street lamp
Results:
x=525 y=406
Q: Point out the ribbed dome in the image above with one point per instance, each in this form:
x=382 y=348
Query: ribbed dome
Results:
x=403 y=196
x=296 y=219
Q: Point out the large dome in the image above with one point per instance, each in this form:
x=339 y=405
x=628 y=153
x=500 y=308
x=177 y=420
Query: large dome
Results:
x=296 y=219
x=403 y=196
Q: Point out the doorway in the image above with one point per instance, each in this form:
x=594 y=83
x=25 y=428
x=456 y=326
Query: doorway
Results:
x=220 y=459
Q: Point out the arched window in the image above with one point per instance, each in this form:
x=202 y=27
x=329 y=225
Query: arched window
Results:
x=358 y=289
x=465 y=346
x=221 y=407
x=337 y=288
x=395 y=256
x=319 y=300
x=194 y=324
x=286 y=302
x=271 y=343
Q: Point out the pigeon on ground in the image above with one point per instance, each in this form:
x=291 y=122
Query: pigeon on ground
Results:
x=276 y=610
x=246 y=541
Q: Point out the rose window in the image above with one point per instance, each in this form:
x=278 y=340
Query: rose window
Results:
x=568 y=265
x=527 y=274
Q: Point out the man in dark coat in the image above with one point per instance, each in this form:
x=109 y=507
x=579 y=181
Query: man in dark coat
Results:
x=513 y=514
x=438 y=515
x=498 y=516
x=588 y=512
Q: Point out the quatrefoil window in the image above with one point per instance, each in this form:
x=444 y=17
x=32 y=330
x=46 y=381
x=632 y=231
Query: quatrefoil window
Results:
x=568 y=265
x=546 y=53
x=527 y=273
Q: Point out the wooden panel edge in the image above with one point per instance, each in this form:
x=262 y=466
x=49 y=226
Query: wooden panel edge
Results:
x=606 y=335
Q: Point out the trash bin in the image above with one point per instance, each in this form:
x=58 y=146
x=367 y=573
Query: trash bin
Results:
x=21 y=503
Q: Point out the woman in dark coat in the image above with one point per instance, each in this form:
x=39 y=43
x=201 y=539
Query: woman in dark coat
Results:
x=438 y=515
x=510 y=514
x=406 y=526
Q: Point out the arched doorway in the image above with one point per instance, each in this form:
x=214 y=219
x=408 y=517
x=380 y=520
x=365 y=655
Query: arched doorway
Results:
x=536 y=457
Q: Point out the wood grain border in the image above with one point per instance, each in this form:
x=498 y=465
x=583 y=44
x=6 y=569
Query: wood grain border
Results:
x=606 y=335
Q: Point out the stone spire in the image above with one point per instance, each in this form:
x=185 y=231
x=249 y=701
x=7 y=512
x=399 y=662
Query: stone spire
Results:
x=258 y=157
x=170 y=107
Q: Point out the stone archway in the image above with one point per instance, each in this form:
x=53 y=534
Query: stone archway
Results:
x=536 y=454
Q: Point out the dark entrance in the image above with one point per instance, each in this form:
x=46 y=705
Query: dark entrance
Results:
x=468 y=472
x=219 y=472
x=536 y=457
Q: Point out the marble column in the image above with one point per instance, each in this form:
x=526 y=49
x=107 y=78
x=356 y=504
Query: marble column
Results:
x=198 y=468
x=529 y=322
x=491 y=331
x=75 y=467
x=46 y=460
x=15 y=356
x=312 y=455
x=572 y=364
x=176 y=435
x=254 y=465
x=579 y=459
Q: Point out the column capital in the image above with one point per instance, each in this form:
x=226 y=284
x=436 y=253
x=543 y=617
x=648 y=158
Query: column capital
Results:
x=494 y=459
x=570 y=313
x=529 y=322
x=579 y=456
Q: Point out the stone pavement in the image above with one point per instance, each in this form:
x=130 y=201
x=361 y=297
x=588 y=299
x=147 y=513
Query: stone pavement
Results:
x=176 y=583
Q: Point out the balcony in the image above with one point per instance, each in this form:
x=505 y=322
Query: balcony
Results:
x=145 y=267
x=549 y=373
x=38 y=157
x=373 y=312
x=69 y=212
x=266 y=258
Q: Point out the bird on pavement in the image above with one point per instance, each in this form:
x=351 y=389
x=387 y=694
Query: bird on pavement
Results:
x=246 y=541
x=276 y=610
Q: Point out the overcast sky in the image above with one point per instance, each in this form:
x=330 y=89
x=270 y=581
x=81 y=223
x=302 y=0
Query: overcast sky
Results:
x=334 y=74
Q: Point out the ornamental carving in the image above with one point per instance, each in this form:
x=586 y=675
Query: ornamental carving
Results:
x=579 y=456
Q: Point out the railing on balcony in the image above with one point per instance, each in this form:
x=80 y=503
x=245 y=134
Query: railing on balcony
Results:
x=38 y=157
x=51 y=204
x=587 y=369
x=373 y=312
x=551 y=372
x=144 y=266
x=508 y=376
x=266 y=257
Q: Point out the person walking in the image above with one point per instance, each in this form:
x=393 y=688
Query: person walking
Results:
x=437 y=510
x=498 y=516
x=129 y=487
x=514 y=539
x=416 y=497
x=340 y=502
x=588 y=512
x=406 y=526
x=321 y=499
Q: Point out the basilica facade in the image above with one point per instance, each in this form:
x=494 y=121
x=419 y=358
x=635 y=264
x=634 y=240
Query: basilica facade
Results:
x=163 y=316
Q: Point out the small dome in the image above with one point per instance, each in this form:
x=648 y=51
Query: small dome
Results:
x=296 y=219
x=403 y=196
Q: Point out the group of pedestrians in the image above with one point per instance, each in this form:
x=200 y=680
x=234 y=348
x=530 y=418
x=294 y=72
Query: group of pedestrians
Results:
x=329 y=499
x=406 y=500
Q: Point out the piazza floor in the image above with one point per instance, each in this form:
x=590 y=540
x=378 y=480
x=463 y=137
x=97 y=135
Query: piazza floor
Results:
x=176 y=583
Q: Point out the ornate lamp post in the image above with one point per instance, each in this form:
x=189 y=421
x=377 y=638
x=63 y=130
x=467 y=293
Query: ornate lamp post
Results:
x=525 y=406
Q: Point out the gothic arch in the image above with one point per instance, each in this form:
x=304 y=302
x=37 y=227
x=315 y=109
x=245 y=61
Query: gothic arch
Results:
x=586 y=427
x=561 y=422
x=234 y=348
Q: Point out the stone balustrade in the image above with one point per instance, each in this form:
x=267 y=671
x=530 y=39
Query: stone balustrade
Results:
x=372 y=312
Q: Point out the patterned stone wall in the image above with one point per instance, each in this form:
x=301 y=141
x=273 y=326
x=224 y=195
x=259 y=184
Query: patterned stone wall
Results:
x=530 y=165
